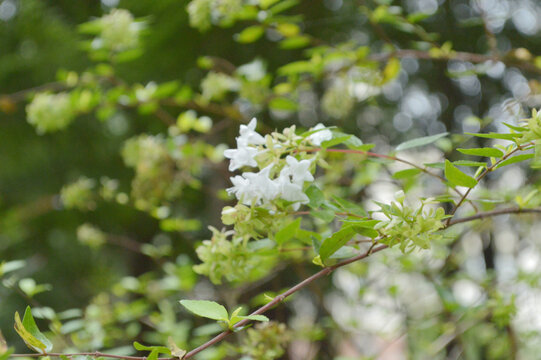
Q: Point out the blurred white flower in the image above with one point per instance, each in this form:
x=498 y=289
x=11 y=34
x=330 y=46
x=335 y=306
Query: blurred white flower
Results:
x=322 y=135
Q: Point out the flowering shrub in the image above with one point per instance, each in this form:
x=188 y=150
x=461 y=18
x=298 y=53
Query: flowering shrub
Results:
x=325 y=196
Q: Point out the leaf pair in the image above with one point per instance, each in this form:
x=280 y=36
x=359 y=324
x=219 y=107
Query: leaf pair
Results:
x=213 y=310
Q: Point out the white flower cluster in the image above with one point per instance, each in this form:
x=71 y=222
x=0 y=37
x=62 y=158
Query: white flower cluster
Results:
x=256 y=188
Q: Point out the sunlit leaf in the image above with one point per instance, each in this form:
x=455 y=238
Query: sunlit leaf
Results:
x=205 y=308
x=457 y=177
x=420 y=141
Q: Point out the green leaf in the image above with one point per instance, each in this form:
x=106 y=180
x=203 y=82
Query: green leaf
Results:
x=515 y=159
x=516 y=128
x=349 y=207
x=420 y=141
x=334 y=242
x=335 y=141
x=174 y=349
x=29 y=332
x=296 y=67
x=511 y=137
x=205 y=308
x=327 y=215
x=287 y=232
x=295 y=42
x=391 y=70
x=403 y=174
x=255 y=317
x=457 y=177
x=282 y=103
x=371 y=233
x=282 y=6
x=9 y=266
x=469 y=163
x=250 y=34
x=158 y=349
x=315 y=195
x=486 y=151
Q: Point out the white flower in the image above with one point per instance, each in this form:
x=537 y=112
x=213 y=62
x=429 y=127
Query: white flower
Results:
x=249 y=136
x=291 y=192
x=265 y=188
x=243 y=156
x=254 y=187
x=241 y=188
x=299 y=170
x=322 y=135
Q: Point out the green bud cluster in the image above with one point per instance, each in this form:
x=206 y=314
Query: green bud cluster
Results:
x=90 y=235
x=50 y=112
x=215 y=86
x=79 y=194
x=410 y=228
x=204 y=13
x=265 y=341
x=222 y=257
x=119 y=31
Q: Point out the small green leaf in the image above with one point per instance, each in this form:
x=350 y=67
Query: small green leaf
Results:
x=174 y=349
x=469 y=163
x=315 y=195
x=327 y=215
x=29 y=332
x=205 y=308
x=391 y=70
x=349 y=207
x=282 y=103
x=296 y=67
x=511 y=137
x=250 y=34
x=420 y=141
x=515 y=159
x=159 y=349
x=457 y=177
x=9 y=266
x=334 y=242
x=287 y=232
x=335 y=141
x=255 y=317
x=487 y=152
x=403 y=174
x=295 y=42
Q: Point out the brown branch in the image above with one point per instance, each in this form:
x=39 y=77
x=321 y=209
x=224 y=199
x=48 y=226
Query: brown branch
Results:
x=487 y=214
x=458 y=55
x=94 y=354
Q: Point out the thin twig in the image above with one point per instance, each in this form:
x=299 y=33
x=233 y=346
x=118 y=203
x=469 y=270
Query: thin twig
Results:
x=481 y=176
x=487 y=214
